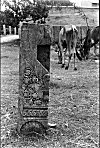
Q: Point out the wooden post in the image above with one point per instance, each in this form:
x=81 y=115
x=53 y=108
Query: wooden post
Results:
x=15 y=30
x=19 y=29
x=4 y=29
x=19 y=32
x=34 y=67
x=74 y=7
x=9 y=29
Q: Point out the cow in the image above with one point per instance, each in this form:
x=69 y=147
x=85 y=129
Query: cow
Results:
x=68 y=36
x=91 y=39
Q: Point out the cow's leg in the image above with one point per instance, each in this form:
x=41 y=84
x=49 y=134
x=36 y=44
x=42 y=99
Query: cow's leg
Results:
x=95 y=52
x=69 y=55
x=63 y=59
x=69 y=58
x=95 y=49
x=58 y=50
x=74 y=46
x=88 y=52
x=59 y=57
x=74 y=61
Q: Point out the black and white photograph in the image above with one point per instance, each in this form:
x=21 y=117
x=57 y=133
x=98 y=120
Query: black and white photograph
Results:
x=49 y=73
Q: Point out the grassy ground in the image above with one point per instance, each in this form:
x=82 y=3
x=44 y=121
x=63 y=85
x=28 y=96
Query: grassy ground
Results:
x=73 y=106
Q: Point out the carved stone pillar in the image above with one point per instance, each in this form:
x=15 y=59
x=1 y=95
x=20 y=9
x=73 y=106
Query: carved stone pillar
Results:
x=34 y=66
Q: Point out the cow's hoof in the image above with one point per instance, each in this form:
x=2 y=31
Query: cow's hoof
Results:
x=66 y=68
x=75 y=68
x=87 y=58
x=62 y=66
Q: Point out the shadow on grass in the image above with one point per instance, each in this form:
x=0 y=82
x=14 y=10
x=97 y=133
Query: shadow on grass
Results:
x=15 y=42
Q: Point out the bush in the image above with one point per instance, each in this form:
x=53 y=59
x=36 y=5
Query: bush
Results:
x=16 y=13
x=39 y=11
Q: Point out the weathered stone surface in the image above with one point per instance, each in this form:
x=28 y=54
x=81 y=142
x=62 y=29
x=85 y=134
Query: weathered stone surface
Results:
x=31 y=127
x=34 y=65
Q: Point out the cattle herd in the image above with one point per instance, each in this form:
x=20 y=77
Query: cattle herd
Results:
x=68 y=37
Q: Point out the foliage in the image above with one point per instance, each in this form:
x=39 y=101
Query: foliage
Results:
x=25 y=12
x=2 y=18
x=20 y=10
x=15 y=10
x=39 y=11
x=7 y=17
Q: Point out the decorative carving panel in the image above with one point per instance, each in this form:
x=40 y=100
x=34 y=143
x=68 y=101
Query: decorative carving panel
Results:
x=35 y=113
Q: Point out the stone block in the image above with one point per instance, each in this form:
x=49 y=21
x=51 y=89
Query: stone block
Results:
x=34 y=65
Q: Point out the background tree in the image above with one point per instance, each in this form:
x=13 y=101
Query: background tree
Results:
x=9 y=18
x=24 y=8
x=13 y=9
x=2 y=18
x=39 y=11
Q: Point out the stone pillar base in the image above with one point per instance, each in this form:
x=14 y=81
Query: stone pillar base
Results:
x=32 y=126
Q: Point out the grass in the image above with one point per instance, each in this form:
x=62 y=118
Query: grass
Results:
x=69 y=16
x=73 y=105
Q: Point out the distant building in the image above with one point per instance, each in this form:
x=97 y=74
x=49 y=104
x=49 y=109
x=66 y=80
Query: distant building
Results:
x=59 y=0
x=86 y=3
x=90 y=3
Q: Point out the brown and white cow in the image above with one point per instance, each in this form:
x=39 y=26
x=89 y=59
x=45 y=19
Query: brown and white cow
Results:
x=91 y=39
x=68 y=36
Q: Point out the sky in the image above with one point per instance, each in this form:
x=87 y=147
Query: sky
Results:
x=79 y=1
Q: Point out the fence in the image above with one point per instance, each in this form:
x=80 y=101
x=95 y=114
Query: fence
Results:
x=9 y=30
